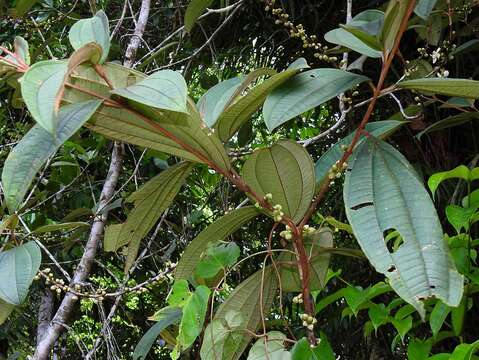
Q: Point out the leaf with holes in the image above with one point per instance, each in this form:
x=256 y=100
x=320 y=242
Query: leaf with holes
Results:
x=382 y=193
x=94 y=29
x=18 y=267
x=286 y=171
x=150 y=201
x=304 y=92
x=164 y=89
x=217 y=231
x=319 y=263
x=36 y=147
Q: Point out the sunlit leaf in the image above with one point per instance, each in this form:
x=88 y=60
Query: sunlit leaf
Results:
x=460 y=172
x=217 y=258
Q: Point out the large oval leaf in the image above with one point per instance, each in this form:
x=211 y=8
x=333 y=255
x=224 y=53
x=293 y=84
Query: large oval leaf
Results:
x=40 y=86
x=94 y=29
x=217 y=231
x=164 y=89
x=18 y=267
x=380 y=129
x=382 y=193
x=444 y=86
x=31 y=153
x=286 y=171
x=306 y=91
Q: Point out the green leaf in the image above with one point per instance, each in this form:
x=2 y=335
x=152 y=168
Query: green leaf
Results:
x=460 y=172
x=217 y=231
x=18 y=267
x=402 y=325
x=424 y=8
x=22 y=7
x=394 y=15
x=94 y=29
x=418 y=349
x=218 y=258
x=304 y=92
x=459 y=217
x=61 y=226
x=397 y=200
x=193 y=11
x=290 y=279
x=165 y=317
x=286 y=171
x=303 y=351
x=451 y=121
x=365 y=37
x=246 y=299
x=194 y=306
x=40 y=86
x=438 y=316
x=221 y=335
x=36 y=147
x=457 y=317
x=379 y=129
x=347 y=39
x=371 y=21
x=150 y=201
x=444 y=86
x=378 y=315
x=142 y=130
x=5 y=310
x=465 y=351
x=164 y=89
x=237 y=114
x=270 y=347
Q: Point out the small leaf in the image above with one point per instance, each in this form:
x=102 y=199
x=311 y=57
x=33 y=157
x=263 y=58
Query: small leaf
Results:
x=193 y=11
x=270 y=346
x=40 y=86
x=460 y=172
x=21 y=49
x=457 y=317
x=375 y=205
x=370 y=20
x=402 y=325
x=378 y=315
x=459 y=217
x=438 y=316
x=22 y=7
x=424 y=8
x=345 y=38
x=444 y=86
x=418 y=349
x=36 y=147
x=304 y=92
x=94 y=29
x=278 y=170
x=5 y=310
x=18 y=267
x=165 y=317
x=164 y=89
x=218 y=258
x=303 y=351
x=217 y=231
